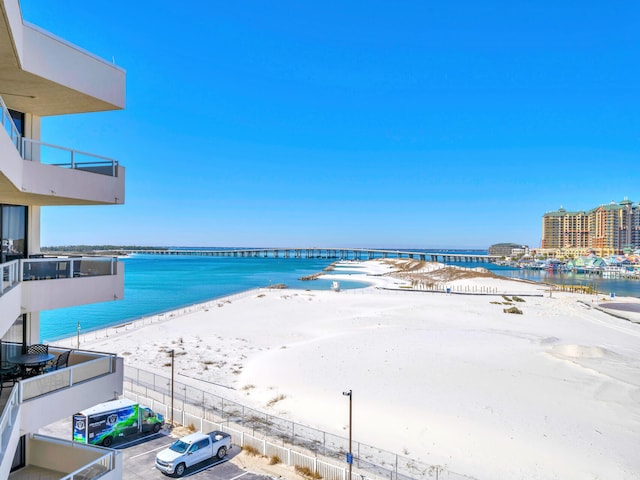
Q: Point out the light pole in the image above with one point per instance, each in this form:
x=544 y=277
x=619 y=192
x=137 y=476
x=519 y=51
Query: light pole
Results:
x=171 y=352
x=350 y=453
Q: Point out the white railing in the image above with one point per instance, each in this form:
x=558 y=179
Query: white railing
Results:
x=8 y=419
x=105 y=461
x=35 y=150
x=96 y=365
x=66 y=267
x=10 y=127
x=9 y=275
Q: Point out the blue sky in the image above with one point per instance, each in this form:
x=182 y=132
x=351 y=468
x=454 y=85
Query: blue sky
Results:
x=410 y=124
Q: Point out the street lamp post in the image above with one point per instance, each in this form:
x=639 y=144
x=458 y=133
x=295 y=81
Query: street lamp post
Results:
x=350 y=453
x=171 y=352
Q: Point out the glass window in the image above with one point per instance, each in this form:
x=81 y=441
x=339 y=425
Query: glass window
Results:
x=18 y=120
x=13 y=339
x=14 y=232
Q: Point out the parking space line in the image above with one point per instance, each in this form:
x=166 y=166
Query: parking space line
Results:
x=206 y=467
x=238 y=476
x=150 y=451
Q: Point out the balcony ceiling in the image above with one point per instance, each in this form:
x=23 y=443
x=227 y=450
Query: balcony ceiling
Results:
x=28 y=92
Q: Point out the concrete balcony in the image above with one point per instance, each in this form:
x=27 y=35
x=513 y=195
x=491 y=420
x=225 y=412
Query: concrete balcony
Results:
x=33 y=285
x=59 y=282
x=53 y=458
x=90 y=378
x=47 y=75
x=36 y=173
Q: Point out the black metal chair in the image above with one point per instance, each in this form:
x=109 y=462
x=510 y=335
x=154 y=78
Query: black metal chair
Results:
x=38 y=348
x=62 y=361
x=9 y=373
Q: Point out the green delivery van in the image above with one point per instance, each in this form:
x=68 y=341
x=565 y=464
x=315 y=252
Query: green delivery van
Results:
x=106 y=422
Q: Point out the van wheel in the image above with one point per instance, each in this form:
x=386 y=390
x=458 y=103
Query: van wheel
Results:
x=222 y=452
x=107 y=441
x=180 y=469
x=156 y=427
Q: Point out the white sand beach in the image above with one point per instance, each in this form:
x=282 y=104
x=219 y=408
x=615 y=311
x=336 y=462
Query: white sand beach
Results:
x=448 y=379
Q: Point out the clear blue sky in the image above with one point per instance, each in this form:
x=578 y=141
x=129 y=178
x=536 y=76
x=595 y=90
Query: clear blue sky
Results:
x=408 y=124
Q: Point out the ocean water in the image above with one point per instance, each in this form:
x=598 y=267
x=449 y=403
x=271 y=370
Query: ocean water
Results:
x=155 y=284
x=605 y=286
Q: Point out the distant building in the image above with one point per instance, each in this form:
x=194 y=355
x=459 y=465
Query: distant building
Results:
x=605 y=230
x=508 y=249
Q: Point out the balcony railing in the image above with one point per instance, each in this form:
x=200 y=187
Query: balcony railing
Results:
x=35 y=150
x=10 y=275
x=99 y=460
x=48 y=153
x=85 y=365
x=67 y=267
x=8 y=418
x=10 y=127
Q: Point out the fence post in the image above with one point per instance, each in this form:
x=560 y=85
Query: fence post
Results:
x=396 y=466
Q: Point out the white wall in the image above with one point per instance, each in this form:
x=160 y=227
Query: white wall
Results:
x=10 y=303
x=11 y=161
x=40 y=295
x=49 y=408
x=55 y=59
x=60 y=182
x=14 y=17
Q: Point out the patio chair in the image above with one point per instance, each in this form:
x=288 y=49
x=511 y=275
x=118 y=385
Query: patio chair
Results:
x=38 y=348
x=8 y=373
x=62 y=361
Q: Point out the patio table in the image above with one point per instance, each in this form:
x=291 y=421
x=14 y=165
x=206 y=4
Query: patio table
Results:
x=35 y=362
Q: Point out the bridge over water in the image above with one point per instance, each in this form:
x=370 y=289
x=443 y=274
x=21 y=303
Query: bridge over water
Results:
x=328 y=253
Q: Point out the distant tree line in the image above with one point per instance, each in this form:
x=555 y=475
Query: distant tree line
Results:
x=96 y=248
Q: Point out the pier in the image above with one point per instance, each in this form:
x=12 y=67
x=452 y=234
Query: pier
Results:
x=326 y=253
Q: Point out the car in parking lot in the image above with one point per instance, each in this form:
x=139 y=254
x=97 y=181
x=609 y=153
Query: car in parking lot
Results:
x=191 y=450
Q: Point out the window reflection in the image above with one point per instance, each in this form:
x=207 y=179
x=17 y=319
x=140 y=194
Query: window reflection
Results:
x=13 y=339
x=18 y=120
x=14 y=233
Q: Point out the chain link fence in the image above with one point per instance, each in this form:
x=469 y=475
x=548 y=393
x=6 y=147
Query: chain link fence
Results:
x=192 y=402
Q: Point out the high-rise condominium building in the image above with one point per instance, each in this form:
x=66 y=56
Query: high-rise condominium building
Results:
x=607 y=230
x=43 y=75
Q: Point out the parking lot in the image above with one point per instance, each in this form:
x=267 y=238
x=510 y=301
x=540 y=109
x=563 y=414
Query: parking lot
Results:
x=139 y=456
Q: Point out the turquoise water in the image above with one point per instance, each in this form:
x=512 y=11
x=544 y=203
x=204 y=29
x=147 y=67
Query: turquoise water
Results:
x=155 y=284
x=606 y=286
